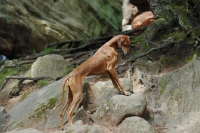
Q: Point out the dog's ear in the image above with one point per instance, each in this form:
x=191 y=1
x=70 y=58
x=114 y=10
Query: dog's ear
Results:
x=120 y=41
x=128 y=39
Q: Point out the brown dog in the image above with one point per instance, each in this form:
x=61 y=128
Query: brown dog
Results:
x=102 y=62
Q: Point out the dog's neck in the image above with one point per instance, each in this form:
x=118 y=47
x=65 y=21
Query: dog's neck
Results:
x=113 y=42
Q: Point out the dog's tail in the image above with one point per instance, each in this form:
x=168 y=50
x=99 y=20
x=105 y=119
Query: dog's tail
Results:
x=63 y=87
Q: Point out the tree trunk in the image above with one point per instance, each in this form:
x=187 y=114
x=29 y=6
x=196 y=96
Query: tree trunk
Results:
x=169 y=13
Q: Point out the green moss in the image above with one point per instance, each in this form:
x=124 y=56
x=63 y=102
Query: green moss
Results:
x=190 y=57
x=167 y=60
x=171 y=33
x=24 y=96
x=7 y=72
x=38 y=113
x=163 y=85
x=48 y=50
x=68 y=69
x=171 y=94
x=179 y=95
x=13 y=71
x=42 y=82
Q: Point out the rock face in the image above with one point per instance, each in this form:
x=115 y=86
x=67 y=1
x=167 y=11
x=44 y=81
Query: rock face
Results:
x=36 y=111
x=135 y=125
x=112 y=108
x=27 y=26
x=179 y=93
x=115 y=109
x=4 y=118
x=48 y=66
x=29 y=130
x=83 y=129
x=174 y=106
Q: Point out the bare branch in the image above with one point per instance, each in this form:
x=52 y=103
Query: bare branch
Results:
x=166 y=44
x=22 y=79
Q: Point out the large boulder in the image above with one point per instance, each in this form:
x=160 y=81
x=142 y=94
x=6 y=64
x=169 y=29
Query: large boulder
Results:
x=103 y=89
x=112 y=111
x=136 y=125
x=179 y=93
x=79 y=128
x=48 y=66
x=113 y=107
x=36 y=110
x=26 y=26
x=29 y=130
x=4 y=118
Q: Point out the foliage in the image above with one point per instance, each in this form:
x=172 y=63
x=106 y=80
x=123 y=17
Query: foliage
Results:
x=7 y=72
x=13 y=71
x=68 y=69
x=24 y=96
x=42 y=82
x=48 y=50
x=44 y=107
x=163 y=85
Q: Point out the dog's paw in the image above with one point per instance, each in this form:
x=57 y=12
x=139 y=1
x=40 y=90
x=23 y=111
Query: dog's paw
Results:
x=127 y=93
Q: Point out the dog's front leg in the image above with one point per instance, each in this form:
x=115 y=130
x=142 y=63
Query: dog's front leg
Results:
x=116 y=82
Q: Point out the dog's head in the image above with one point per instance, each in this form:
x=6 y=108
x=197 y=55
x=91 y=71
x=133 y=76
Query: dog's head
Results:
x=124 y=42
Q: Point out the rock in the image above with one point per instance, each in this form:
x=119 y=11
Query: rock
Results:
x=112 y=107
x=48 y=66
x=159 y=120
x=82 y=115
x=36 y=110
x=29 y=130
x=180 y=91
x=4 y=118
x=2 y=58
x=136 y=125
x=112 y=111
x=104 y=89
x=27 y=26
x=140 y=82
x=83 y=129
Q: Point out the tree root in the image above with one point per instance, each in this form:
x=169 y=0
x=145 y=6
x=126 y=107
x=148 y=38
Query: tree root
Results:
x=22 y=79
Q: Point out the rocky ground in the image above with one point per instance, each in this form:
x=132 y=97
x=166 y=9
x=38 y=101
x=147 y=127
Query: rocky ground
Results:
x=160 y=103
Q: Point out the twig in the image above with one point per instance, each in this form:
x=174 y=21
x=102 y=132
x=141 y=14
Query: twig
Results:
x=32 y=57
x=131 y=32
x=152 y=50
x=16 y=64
x=83 y=47
x=21 y=79
x=20 y=63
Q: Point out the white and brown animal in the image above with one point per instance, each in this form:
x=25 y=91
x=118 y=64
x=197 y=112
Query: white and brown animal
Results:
x=130 y=11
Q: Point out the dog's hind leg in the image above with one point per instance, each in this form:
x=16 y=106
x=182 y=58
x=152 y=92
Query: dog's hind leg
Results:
x=76 y=88
x=67 y=103
x=63 y=87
